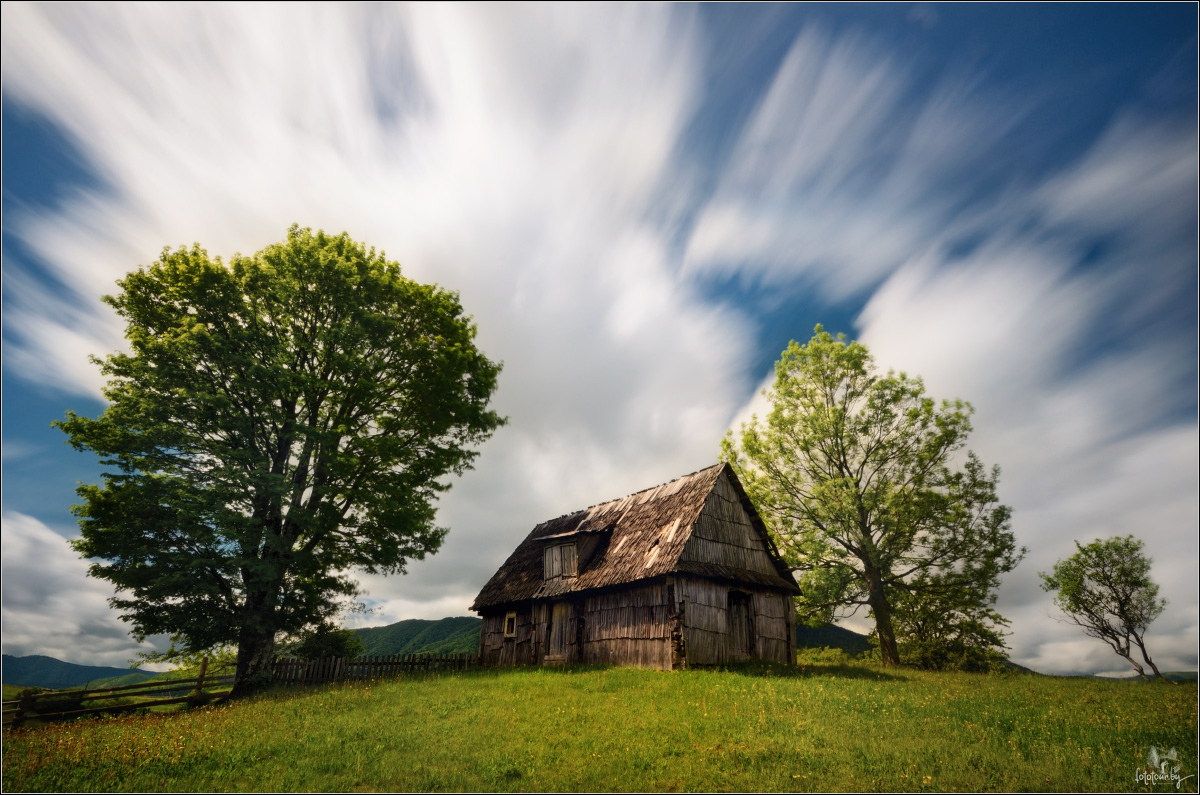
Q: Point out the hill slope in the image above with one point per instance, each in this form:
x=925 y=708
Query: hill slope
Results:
x=40 y=671
x=834 y=637
x=460 y=635
x=456 y=635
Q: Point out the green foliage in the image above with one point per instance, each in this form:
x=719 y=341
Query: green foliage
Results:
x=325 y=640
x=279 y=421
x=824 y=727
x=454 y=635
x=952 y=630
x=824 y=655
x=222 y=660
x=854 y=474
x=1105 y=588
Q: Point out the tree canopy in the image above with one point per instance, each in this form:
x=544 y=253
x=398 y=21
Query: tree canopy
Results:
x=855 y=475
x=279 y=421
x=1105 y=588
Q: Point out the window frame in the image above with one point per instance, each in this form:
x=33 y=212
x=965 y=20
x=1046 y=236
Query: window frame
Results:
x=553 y=567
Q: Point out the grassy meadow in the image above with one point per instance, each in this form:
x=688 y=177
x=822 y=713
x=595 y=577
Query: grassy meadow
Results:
x=759 y=728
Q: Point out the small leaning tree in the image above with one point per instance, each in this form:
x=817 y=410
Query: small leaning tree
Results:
x=1105 y=588
x=280 y=421
x=854 y=475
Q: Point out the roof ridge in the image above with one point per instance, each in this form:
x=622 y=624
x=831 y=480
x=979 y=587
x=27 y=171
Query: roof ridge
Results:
x=632 y=494
x=651 y=488
x=650 y=528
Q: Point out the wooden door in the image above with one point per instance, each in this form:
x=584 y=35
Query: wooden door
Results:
x=559 y=632
x=740 y=623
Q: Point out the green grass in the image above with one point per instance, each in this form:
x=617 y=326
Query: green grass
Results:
x=816 y=727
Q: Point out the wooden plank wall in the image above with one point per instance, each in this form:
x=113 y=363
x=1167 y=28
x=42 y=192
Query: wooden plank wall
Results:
x=628 y=627
x=634 y=627
x=706 y=629
x=495 y=649
x=724 y=536
x=772 y=625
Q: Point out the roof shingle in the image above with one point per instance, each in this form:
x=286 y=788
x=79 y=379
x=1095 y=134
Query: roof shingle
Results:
x=642 y=536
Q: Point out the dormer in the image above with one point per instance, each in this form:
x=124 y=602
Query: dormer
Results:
x=566 y=555
x=560 y=560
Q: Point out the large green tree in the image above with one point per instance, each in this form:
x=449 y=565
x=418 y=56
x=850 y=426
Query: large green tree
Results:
x=855 y=475
x=280 y=421
x=1105 y=588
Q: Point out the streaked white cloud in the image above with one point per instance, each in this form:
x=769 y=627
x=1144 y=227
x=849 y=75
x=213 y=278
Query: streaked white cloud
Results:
x=1084 y=446
x=1081 y=437
x=534 y=160
x=507 y=154
x=50 y=606
x=845 y=169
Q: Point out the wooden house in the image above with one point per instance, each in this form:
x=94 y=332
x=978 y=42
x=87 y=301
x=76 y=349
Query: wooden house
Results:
x=680 y=574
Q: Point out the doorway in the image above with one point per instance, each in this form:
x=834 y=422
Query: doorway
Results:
x=740 y=618
x=559 y=633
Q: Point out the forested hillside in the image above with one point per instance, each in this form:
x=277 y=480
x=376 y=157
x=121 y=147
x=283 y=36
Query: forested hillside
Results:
x=457 y=635
x=834 y=637
x=41 y=671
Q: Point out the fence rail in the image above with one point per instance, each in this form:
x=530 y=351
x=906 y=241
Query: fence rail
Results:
x=57 y=704
x=290 y=670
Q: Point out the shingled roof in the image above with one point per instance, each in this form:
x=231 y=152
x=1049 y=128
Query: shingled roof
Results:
x=643 y=536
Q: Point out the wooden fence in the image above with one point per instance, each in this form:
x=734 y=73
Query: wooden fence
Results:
x=58 y=704
x=289 y=670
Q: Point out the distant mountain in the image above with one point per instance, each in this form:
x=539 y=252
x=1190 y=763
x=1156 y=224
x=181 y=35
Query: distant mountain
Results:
x=1170 y=676
x=457 y=635
x=834 y=637
x=40 y=671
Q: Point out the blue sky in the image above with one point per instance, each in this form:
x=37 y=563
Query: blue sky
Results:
x=641 y=205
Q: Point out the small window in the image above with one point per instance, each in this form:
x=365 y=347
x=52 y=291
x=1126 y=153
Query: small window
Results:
x=510 y=624
x=559 y=561
x=569 y=560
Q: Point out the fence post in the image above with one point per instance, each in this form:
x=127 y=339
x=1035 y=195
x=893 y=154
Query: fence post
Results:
x=25 y=704
x=198 y=693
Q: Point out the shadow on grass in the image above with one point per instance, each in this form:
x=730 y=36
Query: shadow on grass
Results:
x=810 y=670
x=806 y=670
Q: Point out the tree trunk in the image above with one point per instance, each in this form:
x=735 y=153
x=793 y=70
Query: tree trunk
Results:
x=1133 y=662
x=888 y=650
x=1146 y=657
x=256 y=644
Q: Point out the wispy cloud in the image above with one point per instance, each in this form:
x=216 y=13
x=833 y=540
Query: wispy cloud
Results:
x=50 y=606
x=845 y=169
x=510 y=155
x=537 y=161
x=1091 y=446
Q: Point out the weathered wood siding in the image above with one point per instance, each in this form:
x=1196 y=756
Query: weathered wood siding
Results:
x=774 y=627
x=495 y=649
x=664 y=624
x=629 y=627
x=724 y=535
x=705 y=622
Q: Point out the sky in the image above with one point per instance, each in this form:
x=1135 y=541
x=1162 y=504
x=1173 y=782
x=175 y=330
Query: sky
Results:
x=640 y=205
